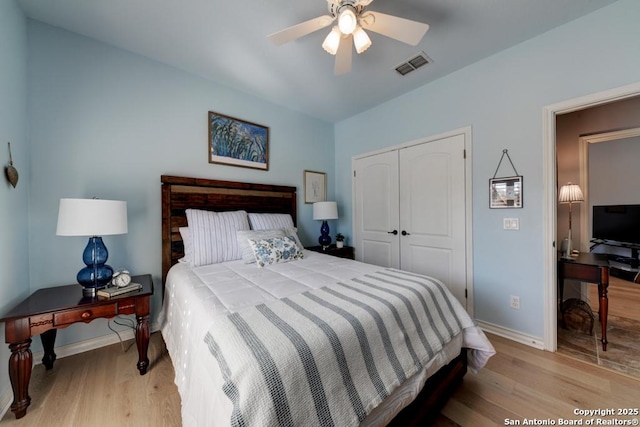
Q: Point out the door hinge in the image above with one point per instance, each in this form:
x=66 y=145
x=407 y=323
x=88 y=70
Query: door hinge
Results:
x=354 y=174
x=465 y=293
x=464 y=153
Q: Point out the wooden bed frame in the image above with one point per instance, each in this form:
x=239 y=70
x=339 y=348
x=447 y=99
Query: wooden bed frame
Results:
x=181 y=193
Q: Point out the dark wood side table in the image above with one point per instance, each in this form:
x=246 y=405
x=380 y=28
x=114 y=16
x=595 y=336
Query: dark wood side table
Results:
x=343 y=252
x=592 y=268
x=50 y=309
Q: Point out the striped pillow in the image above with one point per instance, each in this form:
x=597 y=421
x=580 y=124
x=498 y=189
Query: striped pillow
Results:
x=213 y=235
x=269 y=221
x=185 y=233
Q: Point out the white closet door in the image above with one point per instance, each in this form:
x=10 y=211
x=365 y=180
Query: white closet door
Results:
x=432 y=212
x=376 y=210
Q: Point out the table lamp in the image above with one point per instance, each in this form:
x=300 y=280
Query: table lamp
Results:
x=570 y=194
x=323 y=211
x=93 y=218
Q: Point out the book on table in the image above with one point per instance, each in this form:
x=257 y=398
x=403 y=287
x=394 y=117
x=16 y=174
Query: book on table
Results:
x=114 y=291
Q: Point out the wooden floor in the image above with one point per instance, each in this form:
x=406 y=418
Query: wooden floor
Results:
x=623 y=330
x=103 y=388
x=624 y=298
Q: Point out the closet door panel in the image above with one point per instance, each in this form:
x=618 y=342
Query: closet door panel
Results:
x=376 y=209
x=432 y=212
x=434 y=262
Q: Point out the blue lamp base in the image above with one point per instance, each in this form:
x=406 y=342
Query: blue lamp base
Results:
x=324 y=239
x=96 y=274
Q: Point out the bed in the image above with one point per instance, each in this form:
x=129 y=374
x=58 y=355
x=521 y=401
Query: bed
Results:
x=198 y=300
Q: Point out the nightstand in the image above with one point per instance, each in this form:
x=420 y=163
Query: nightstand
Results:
x=50 y=309
x=343 y=252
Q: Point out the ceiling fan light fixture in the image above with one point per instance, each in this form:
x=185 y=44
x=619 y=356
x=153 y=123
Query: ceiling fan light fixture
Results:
x=361 y=40
x=332 y=41
x=347 y=20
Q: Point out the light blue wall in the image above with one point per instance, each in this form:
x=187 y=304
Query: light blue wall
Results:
x=502 y=98
x=14 y=255
x=107 y=123
x=104 y=122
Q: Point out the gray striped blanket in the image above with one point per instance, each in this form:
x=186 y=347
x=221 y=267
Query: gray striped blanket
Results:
x=329 y=356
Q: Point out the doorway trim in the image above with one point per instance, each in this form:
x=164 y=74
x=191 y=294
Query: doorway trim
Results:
x=583 y=146
x=549 y=199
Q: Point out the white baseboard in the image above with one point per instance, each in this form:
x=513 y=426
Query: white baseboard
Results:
x=525 y=339
x=6 y=396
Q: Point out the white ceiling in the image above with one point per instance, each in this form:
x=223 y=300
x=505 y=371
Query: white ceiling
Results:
x=225 y=41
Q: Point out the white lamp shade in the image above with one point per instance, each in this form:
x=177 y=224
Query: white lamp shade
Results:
x=361 y=40
x=332 y=41
x=347 y=20
x=325 y=210
x=91 y=217
x=570 y=193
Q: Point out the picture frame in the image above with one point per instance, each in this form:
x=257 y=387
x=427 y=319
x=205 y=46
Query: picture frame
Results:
x=315 y=186
x=237 y=142
x=505 y=193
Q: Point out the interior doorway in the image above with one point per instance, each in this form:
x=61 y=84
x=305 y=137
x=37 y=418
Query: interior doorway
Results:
x=550 y=187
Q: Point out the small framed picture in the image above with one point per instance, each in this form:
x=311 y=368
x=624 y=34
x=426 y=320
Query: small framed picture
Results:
x=237 y=142
x=315 y=186
x=505 y=192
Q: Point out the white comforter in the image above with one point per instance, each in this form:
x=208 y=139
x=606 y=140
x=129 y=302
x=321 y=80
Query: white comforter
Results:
x=194 y=297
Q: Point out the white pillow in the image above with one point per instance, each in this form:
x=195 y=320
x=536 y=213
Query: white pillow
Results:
x=293 y=232
x=188 y=245
x=275 y=250
x=213 y=235
x=270 y=221
x=245 y=246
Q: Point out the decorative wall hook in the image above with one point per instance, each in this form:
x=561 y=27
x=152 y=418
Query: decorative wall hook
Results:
x=10 y=171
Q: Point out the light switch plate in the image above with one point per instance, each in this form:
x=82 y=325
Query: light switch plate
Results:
x=511 y=223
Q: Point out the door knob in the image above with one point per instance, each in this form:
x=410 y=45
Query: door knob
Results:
x=394 y=232
x=404 y=233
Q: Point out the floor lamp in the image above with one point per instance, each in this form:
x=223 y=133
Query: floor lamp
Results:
x=570 y=194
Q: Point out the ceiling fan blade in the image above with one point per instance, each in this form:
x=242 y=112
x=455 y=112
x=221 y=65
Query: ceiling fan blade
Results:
x=404 y=30
x=344 y=56
x=300 y=30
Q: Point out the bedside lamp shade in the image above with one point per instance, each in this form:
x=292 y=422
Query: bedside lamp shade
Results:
x=323 y=211
x=93 y=218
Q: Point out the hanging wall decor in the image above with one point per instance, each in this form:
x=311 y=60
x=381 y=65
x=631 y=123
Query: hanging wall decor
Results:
x=237 y=142
x=505 y=192
x=10 y=171
x=315 y=187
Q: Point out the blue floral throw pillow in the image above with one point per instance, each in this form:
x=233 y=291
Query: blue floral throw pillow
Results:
x=274 y=250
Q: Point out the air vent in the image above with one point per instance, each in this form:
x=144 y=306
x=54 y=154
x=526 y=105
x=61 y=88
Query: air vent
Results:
x=413 y=64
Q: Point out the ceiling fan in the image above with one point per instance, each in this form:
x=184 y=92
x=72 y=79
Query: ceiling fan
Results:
x=352 y=20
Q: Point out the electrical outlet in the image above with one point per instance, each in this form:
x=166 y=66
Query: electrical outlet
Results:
x=515 y=302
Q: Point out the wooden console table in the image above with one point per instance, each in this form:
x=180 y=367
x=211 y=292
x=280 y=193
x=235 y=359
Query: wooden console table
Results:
x=50 y=309
x=591 y=268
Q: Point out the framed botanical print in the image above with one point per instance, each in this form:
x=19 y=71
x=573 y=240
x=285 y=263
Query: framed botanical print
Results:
x=237 y=142
x=315 y=186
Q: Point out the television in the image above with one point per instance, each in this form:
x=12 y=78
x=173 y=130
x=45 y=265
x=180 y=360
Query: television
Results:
x=619 y=223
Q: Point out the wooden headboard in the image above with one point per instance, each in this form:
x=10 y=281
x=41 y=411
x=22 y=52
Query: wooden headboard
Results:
x=181 y=193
